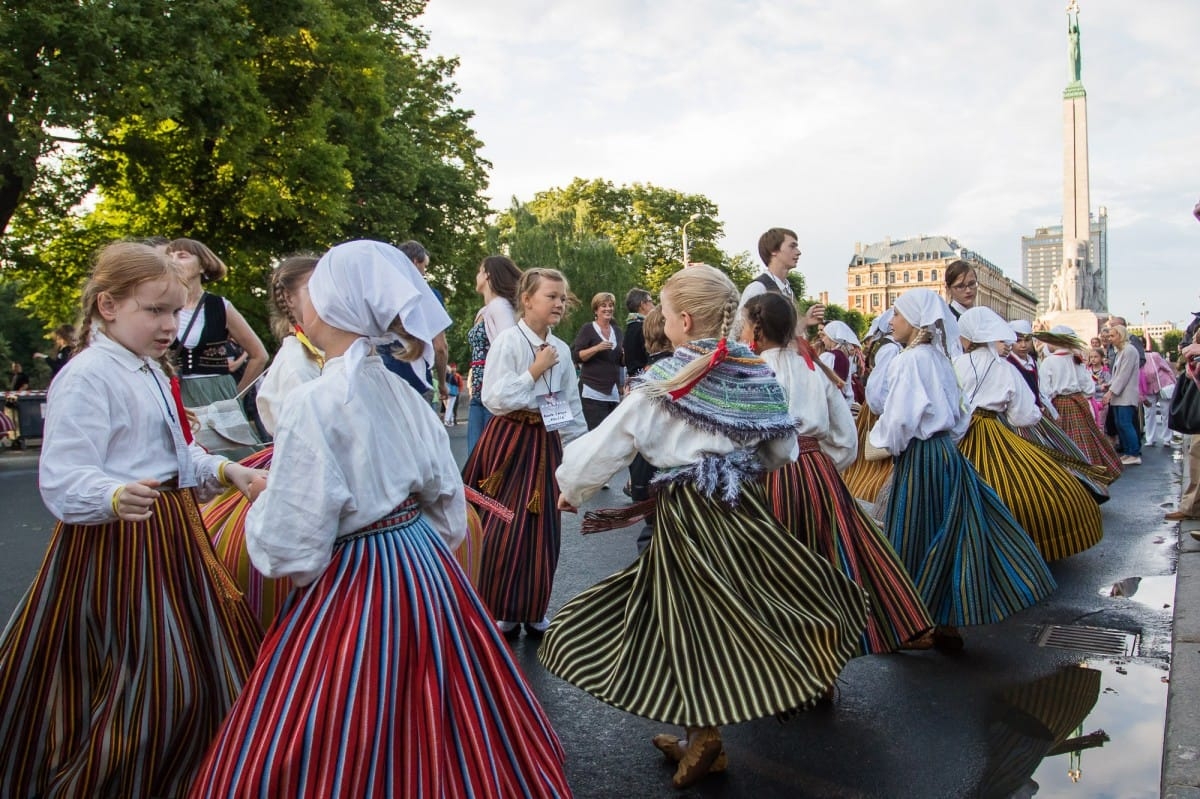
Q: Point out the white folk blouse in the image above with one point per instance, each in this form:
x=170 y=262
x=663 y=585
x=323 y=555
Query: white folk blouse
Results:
x=508 y=386
x=291 y=367
x=816 y=404
x=994 y=384
x=923 y=399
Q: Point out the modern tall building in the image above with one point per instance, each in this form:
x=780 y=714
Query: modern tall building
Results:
x=1042 y=256
x=880 y=272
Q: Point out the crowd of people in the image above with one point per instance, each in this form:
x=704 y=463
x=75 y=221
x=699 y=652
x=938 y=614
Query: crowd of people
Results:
x=328 y=616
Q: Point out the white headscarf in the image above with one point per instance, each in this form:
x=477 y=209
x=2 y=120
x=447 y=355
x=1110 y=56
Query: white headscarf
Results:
x=361 y=287
x=1063 y=330
x=983 y=326
x=926 y=309
x=881 y=325
x=1022 y=327
x=841 y=333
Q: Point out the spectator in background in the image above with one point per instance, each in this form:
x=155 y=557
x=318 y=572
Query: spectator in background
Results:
x=453 y=386
x=1157 y=386
x=638 y=303
x=598 y=350
x=496 y=281
x=423 y=383
x=1123 y=396
x=64 y=343
x=20 y=380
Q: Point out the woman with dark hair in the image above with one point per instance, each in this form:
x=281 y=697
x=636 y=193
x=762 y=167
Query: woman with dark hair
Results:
x=598 y=351
x=497 y=281
x=206 y=324
x=962 y=287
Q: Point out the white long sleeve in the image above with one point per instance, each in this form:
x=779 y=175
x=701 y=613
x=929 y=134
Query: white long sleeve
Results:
x=340 y=466
x=877 y=382
x=110 y=420
x=817 y=405
x=508 y=386
x=291 y=367
x=994 y=384
x=1060 y=374
x=923 y=399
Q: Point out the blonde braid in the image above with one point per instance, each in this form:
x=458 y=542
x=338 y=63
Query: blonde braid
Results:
x=729 y=315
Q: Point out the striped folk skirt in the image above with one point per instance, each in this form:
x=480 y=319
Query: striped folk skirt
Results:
x=1057 y=512
x=723 y=618
x=1052 y=441
x=514 y=463
x=866 y=479
x=122 y=660
x=810 y=500
x=969 y=558
x=385 y=677
x=1076 y=419
x=225 y=518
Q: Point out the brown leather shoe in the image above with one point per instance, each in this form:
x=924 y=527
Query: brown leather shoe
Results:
x=704 y=745
x=1178 y=516
x=674 y=747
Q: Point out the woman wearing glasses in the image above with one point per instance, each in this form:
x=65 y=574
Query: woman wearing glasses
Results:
x=962 y=287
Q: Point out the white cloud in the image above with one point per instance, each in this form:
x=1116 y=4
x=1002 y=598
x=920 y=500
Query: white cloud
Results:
x=850 y=121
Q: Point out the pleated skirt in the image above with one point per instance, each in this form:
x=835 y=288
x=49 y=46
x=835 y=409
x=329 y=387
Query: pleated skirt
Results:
x=725 y=617
x=225 y=518
x=971 y=561
x=514 y=463
x=1052 y=441
x=1056 y=511
x=810 y=500
x=385 y=678
x=1076 y=419
x=866 y=479
x=122 y=660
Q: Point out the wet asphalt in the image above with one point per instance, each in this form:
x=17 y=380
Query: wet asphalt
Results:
x=1007 y=717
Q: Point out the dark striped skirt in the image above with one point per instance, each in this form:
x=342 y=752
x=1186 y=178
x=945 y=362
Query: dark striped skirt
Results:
x=1056 y=511
x=122 y=660
x=865 y=479
x=969 y=558
x=385 y=677
x=225 y=518
x=1076 y=419
x=514 y=463
x=723 y=618
x=810 y=500
x=1052 y=441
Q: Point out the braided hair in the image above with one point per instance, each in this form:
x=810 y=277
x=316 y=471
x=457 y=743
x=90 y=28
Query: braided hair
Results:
x=709 y=297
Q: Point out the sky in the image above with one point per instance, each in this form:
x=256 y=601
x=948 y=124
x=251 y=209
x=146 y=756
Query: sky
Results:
x=852 y=121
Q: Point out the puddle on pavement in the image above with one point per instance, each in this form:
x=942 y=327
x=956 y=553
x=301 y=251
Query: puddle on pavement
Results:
x=1153 y=592
x=1087 y=730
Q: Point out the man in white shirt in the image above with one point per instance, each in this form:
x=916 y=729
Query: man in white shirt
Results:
x=779 y=249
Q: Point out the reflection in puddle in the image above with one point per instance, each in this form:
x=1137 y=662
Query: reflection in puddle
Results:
x=1094 y=729
x=1153 y=592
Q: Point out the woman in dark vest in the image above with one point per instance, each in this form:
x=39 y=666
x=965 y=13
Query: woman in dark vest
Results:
x=598 y=349
x=206 y=324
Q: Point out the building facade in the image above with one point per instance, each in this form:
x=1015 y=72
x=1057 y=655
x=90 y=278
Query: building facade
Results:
x=1042 y=256
x=880 y=272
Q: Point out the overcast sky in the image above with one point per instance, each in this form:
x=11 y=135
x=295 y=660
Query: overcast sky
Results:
x=853 y=121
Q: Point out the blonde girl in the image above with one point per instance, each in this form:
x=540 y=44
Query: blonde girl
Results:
x=132 y=642
x=724 y=617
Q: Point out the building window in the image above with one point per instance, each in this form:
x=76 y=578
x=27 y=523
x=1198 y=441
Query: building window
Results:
x=891 y=277
x=875 y=279
x=933 y=275
x=858 y=280
x=920 y=275
x=874 y=300
x=906 y=276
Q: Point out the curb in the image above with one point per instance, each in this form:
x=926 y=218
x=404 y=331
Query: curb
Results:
x=1181 y=737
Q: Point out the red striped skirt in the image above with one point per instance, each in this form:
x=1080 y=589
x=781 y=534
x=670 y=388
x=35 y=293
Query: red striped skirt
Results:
x=1076 y=419
x=122 y=660
x=514 y=463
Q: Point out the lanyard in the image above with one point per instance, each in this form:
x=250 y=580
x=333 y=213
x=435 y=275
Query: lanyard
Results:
x=550 y=371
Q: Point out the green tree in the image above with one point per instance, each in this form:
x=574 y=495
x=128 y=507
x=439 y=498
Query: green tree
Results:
x=1169 y=345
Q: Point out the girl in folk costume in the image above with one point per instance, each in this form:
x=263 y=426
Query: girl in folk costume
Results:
x=529 y=384
x=843 y=353
x=967 y=555
x=1049 y=503
x=297 y=362
x=811 y=500
x=1045 y=432
x=1066 y=380
x=870 y=479
x=497 y=280
x=725 y=617
x=384 y=675
x=132 y=642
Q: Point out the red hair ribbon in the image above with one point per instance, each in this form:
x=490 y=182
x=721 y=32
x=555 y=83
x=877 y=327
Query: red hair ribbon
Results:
x=177 y=395
x=718 y=355
x=806 y=352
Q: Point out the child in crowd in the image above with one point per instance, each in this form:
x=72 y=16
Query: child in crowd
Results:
x=641 y=473
x=132 y=643
x=384 y=675
x=1049 y=503
x=529 y=385
x=971 y=561
x=297 y=362
x=809 y=498
x=725 y=617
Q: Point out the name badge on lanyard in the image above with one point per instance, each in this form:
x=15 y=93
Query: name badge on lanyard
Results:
x=556 y=412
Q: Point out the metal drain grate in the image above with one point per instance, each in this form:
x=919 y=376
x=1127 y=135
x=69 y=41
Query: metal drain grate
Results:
x=1092 y=639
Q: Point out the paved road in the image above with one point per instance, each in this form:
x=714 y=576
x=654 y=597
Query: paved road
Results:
x=984 y=723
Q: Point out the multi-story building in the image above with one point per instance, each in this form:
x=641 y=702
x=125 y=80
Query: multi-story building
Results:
x=1042 y=257
x=880 y=272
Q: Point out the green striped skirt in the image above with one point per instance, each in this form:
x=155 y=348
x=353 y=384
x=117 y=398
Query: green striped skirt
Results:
x=1054 y=508
x=723 y=618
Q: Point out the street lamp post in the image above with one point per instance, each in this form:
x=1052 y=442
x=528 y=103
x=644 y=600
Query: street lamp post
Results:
x=1145 y=314
x=691 y=219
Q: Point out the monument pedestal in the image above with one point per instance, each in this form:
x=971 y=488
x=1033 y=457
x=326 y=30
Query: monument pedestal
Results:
x=1085 y=323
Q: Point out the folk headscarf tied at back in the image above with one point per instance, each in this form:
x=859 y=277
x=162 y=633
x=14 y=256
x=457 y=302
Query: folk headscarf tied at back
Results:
x=841 y=333
x=924 y=309
x=361 y=287
x=984 y=326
